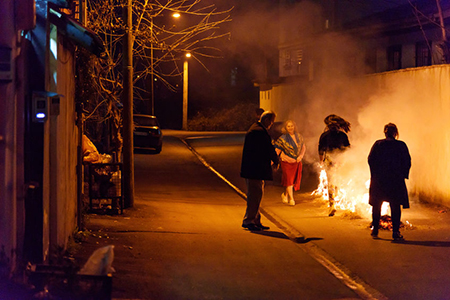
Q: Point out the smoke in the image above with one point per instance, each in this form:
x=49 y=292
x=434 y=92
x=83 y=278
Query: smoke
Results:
x=333 y=81
x=416 y=100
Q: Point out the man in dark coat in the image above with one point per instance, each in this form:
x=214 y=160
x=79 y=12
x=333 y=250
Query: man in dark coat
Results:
x=389 y=163
x=257 y=158
x=332 y=142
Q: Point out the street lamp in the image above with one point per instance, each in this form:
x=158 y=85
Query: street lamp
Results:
x=152 y=77
x=152 y=68
x=185 y=91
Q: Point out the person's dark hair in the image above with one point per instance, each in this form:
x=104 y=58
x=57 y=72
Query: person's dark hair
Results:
x=259 y=112
x=334 y=122
x=267 y=115
x=391 y=131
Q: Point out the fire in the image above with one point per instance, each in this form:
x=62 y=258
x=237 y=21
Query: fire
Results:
x=350 y=196
x=322 y=189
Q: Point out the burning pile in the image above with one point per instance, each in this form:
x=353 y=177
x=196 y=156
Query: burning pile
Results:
x=351 y=196
x=386 y=223
x=347 y=197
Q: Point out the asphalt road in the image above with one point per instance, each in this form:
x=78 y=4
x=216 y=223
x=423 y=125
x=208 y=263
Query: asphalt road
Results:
x=184 y=240
x=183 y=237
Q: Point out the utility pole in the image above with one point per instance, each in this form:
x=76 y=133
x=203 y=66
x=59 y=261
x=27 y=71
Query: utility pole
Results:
x=185 y=91
x=152 y=77
x=185 y=94
x=127 y=100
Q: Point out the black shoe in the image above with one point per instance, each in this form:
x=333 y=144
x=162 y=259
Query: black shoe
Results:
x=263 y=227
x=252 y=227
x=374 y=234
x=397 y=236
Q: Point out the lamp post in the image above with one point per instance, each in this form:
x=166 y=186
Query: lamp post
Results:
x=127 y=100
x=185 y=91
x=152 y=67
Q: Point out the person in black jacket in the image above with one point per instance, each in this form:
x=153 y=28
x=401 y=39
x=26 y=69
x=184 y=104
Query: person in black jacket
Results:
x=332 y=142
x=389 y=162
x=258 y=156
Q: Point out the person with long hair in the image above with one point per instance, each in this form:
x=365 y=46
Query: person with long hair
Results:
x=389 y=161
x=332 y=142
x=291 y=149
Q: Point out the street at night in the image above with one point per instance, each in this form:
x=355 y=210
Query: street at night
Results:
x=138 y=126
x=184 y=240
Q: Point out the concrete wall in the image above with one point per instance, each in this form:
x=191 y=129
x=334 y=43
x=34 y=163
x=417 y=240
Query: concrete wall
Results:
x=60 y=159
x=58 y=219
x=66 y=157
x=10 y=182
x=417 y=100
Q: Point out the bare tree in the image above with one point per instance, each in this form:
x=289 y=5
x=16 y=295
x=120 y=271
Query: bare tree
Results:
x=159 y=43
x=442 y=46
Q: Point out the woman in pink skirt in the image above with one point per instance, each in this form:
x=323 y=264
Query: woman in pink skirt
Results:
x=291 y=149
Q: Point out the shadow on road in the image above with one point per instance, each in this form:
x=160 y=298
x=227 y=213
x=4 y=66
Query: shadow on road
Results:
x=274 y=234
x=303 y=240
x=280 y=235
x=424 y=243
x=442 y=244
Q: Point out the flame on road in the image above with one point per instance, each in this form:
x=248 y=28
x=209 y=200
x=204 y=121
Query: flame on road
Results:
x=350 y=195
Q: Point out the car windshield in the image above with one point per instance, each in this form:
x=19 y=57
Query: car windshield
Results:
x=145 y=121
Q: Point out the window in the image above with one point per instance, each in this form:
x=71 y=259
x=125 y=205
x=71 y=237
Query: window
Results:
x=423 y=54
x=394 y=55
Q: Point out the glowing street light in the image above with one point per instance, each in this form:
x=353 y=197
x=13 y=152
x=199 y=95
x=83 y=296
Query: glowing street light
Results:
x=185 y=91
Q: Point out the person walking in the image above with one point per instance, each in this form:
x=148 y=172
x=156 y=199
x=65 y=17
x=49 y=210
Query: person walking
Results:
x=291 y=149
x=258 y=155
x=332 y=142
x=389 y=161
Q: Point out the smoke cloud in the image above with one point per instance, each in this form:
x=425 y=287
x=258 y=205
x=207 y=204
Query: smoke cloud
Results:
x=416 y=100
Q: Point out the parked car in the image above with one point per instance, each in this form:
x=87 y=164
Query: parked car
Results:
x=147 y=133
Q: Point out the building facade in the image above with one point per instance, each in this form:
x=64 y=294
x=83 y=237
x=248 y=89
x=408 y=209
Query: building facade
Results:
x=39 y=136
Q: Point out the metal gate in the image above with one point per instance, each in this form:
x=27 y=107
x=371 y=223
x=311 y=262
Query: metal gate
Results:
x=105 y=188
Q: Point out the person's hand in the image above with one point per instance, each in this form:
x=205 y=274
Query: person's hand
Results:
x=290 y=160
x=299 y=158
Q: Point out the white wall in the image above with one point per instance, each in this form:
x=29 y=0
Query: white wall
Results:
x=416 y=100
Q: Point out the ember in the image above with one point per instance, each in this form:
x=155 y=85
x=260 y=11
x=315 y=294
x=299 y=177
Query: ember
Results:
x=386 y=223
